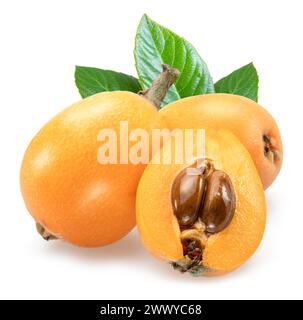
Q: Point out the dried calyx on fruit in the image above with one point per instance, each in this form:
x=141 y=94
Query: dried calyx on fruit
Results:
x=204 y=202
x=270 y=150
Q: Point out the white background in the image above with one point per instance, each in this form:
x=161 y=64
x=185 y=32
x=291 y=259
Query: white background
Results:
x=42 y=41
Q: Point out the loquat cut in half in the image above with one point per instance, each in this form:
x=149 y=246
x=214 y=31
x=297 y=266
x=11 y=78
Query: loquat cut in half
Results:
x=205 y=216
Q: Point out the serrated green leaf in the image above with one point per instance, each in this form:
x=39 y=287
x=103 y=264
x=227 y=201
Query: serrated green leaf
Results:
x=156 y=45
x=93 y=80
x=243 y=82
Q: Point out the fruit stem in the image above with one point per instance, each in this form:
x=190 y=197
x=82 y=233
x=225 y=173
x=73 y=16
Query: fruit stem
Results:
x=44 y=233
x=160 y=86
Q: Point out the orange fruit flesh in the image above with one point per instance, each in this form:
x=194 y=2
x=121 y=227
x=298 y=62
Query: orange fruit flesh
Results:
x=244 y=117
x=225 y=250
x=66 y=189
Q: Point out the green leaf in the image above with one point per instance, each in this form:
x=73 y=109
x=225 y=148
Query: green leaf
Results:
x=243 y=82
x=92 y=80
x=156 y=45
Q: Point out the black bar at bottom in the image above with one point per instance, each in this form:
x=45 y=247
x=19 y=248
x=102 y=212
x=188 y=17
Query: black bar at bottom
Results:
x=144 y=309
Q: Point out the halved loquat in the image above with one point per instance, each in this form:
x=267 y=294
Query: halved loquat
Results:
x=206 y=216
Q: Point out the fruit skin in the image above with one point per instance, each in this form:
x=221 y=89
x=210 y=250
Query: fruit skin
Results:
x=65 y=188
x=226 y=250
x=244 y=117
